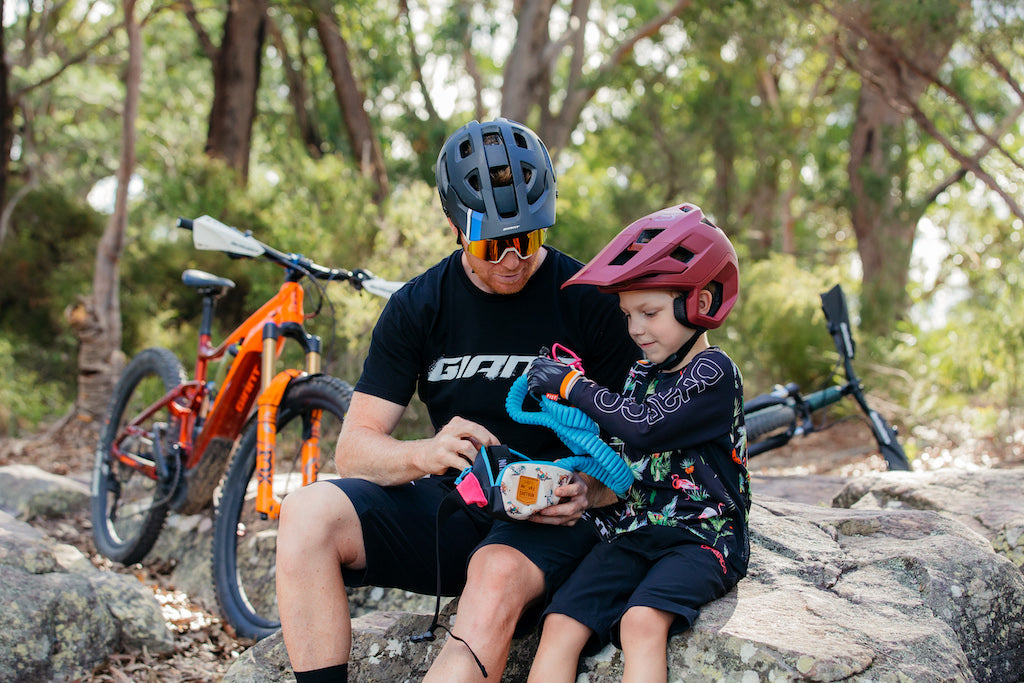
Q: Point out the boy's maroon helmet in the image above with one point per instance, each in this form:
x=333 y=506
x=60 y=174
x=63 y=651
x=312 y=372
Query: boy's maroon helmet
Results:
x=675 y=249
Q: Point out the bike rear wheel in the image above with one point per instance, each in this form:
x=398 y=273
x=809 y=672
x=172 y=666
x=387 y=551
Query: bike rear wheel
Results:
x=244 y=545
x=128 y=507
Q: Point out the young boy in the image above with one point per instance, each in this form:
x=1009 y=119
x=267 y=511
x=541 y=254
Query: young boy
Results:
x=679 y=539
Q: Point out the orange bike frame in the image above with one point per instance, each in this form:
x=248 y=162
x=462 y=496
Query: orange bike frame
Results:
x=247 y=378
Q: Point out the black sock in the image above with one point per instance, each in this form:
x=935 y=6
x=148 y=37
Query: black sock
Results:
x=331 y=674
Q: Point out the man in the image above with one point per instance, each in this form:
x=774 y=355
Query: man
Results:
x=460 y=334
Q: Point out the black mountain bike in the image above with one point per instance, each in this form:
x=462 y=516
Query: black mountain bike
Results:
x=773 y=419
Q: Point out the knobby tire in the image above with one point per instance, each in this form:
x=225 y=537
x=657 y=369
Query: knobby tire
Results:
x=244 y=545
x=129 y=508
x=767 y=420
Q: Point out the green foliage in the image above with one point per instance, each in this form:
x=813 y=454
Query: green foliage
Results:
x=48 y=257
x=777 y=332
x=26 y=398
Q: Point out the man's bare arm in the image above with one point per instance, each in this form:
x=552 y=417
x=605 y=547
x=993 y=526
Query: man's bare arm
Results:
x=366 y=449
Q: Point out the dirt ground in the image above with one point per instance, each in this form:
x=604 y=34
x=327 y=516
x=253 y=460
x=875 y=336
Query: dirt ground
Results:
x=205 y=648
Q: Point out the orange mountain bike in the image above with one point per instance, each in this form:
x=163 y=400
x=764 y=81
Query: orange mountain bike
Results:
x=167 y=440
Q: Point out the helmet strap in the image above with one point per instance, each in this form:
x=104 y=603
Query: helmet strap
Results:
x=679 y=309
x=681 y=353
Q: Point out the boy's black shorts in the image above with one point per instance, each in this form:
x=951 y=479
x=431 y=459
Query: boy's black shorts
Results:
x=399 y=535
x=650 y=567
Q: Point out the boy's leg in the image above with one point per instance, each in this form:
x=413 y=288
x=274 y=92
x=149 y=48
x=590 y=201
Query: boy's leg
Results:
x=643 y=632
x=558 y=654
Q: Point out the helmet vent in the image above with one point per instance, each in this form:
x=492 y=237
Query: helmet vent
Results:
x=622 y=258
x=501 y=176
x=520 y=140
x=682 y=255
x=465 y=149
x=474 y=180
x=648 y=235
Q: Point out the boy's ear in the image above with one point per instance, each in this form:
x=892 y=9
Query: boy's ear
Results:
x=706 y=298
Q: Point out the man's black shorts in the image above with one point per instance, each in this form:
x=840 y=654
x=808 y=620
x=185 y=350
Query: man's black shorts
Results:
x=399 y=525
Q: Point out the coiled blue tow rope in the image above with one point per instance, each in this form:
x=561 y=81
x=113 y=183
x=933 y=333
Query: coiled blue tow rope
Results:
x=578 y=432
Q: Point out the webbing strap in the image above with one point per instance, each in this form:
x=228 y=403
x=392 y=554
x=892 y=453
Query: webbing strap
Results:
x=578 y=432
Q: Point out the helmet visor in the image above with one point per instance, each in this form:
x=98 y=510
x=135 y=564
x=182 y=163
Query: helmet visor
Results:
x=525 y=244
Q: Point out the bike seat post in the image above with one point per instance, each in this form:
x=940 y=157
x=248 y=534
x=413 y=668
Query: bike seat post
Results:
x=206 y=323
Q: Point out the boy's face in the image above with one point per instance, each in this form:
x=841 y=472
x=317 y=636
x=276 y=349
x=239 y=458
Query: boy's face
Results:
x=651 y=321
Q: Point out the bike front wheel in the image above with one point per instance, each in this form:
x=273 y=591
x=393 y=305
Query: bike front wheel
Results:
x=244 y=544
x=129 y=507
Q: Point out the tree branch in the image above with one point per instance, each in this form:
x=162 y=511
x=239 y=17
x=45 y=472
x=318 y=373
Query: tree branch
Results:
x=209 y=49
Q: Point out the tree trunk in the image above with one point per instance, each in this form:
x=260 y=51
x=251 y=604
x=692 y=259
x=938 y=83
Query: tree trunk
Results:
x=896 y=68
x=884 y=237
x=298 y=94
x=236 y=78
x=96 y=320
x=525 y=79
x=6 y=119
x=527 y=85
x=361 y=135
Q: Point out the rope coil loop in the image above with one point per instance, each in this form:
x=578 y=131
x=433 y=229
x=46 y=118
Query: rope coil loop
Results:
x=578 y=432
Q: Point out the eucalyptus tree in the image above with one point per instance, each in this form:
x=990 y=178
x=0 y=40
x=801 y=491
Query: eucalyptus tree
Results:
x=819 y=128
x=932 y=76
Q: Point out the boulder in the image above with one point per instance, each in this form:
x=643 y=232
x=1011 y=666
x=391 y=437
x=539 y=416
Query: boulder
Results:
x=832 y=594
x=32 y=493
x=988 y=501
x=62 y=616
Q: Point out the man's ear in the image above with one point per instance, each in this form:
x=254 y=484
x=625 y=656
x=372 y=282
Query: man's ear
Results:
x=455 y=229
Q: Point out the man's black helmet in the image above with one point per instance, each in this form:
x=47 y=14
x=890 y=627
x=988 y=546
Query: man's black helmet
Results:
x=478 y=200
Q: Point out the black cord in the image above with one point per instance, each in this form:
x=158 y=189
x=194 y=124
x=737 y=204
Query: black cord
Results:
x=448 y=505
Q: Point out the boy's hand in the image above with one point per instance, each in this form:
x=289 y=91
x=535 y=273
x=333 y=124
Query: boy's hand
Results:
x=571 y=506
x=548 y=376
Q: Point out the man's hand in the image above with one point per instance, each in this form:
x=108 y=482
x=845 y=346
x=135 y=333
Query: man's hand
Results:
x=455 y=446
x=572 y=506
x=548 y=376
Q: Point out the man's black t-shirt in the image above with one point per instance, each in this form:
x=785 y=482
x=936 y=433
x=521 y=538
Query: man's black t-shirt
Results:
x=462 y=348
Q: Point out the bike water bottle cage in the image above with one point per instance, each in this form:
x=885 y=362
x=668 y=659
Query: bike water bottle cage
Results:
x=508 y=485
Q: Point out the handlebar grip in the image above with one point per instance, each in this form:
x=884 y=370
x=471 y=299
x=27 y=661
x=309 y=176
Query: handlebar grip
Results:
x=184 y=223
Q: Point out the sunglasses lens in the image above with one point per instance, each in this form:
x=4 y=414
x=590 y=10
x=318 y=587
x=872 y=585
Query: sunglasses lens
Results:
x=525 y=245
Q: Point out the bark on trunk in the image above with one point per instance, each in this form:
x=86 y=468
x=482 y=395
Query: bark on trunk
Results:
x=298 y=94
x=96 y=320
x=361 y=135
x=236 y=79
x=6 y=119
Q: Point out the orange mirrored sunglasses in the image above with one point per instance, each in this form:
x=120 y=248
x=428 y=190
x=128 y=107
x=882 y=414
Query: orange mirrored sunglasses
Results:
x=525 y=244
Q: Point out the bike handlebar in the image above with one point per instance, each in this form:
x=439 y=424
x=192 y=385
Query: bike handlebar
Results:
x=359 y=278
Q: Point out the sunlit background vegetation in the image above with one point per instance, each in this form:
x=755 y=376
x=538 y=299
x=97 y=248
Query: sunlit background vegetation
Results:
x=744 y=107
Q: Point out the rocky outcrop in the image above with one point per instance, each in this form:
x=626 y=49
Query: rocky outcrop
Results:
x=989 y=501
x=832 y=594
x=908 y=577
x=62 y=616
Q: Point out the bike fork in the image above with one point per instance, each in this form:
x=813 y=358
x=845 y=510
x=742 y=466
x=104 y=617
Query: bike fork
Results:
x=271 y=394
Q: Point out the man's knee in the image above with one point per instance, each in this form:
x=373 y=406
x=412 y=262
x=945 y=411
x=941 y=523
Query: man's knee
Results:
x=504 y=570
x=320 y=518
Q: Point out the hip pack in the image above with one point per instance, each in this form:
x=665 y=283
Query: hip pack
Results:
x=508 y=485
